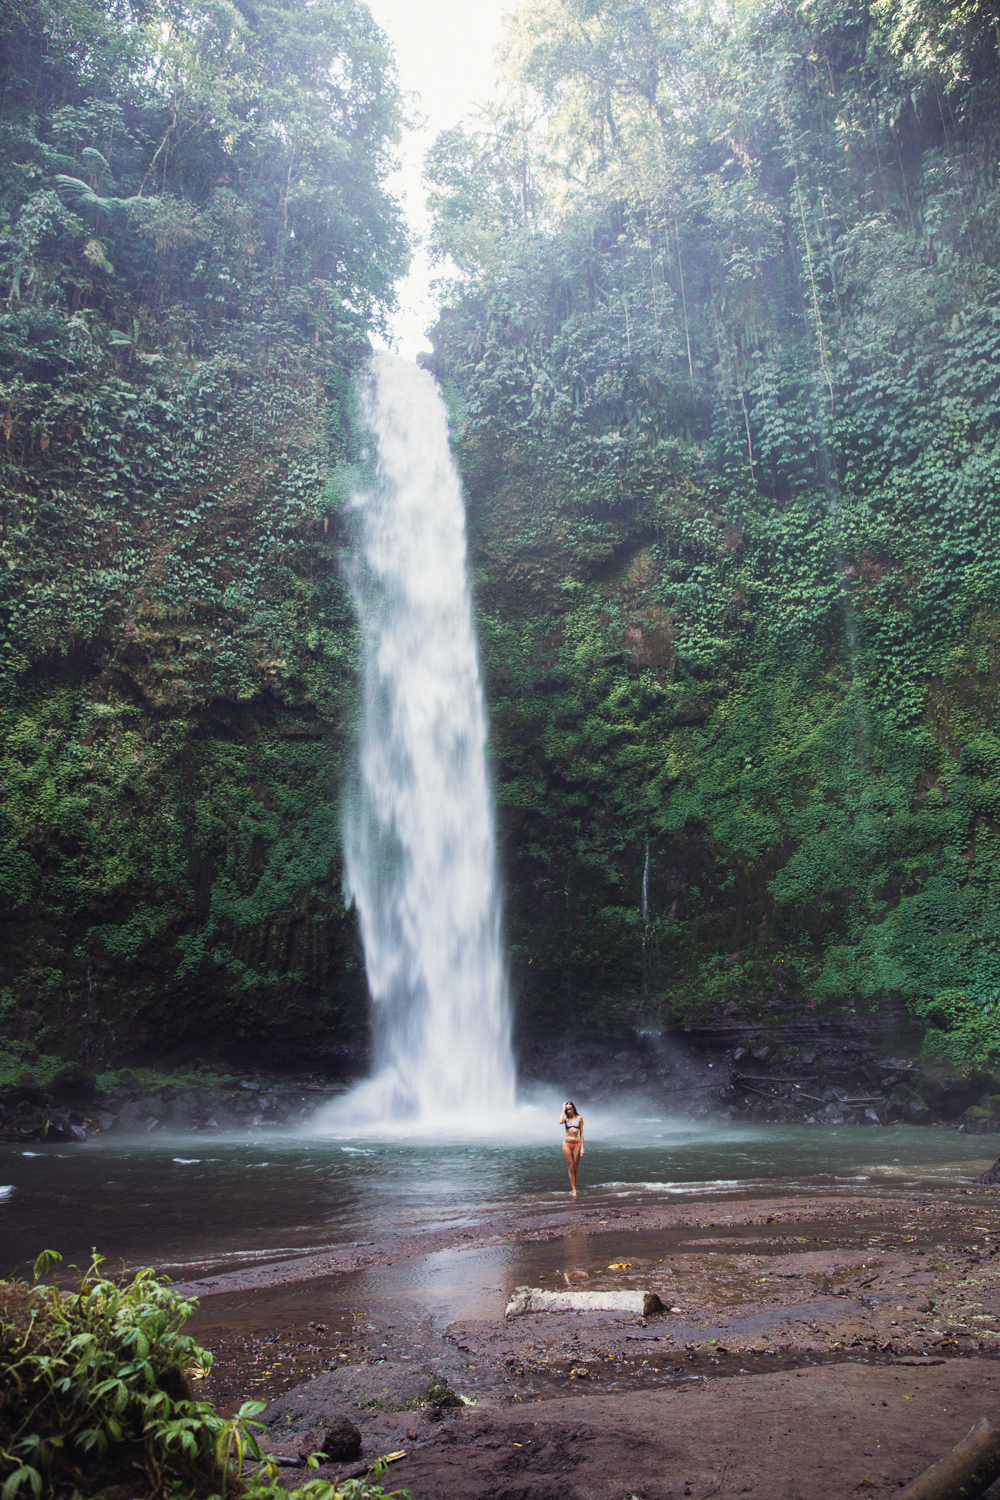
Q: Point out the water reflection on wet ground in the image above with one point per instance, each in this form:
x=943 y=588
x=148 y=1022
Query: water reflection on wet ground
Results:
x=745 y=1297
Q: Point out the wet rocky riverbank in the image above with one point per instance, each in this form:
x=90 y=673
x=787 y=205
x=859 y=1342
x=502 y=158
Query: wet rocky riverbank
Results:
x=77 y=1110
x=814 y=1346
x=811 y=1070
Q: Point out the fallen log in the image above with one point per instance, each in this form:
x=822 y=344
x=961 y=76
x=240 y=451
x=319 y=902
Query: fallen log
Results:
x=968 y=1470
x=748 y=1088
x=772 y=1078
x=533 y=1299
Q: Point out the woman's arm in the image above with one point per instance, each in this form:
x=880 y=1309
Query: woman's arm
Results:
x=582 y=1147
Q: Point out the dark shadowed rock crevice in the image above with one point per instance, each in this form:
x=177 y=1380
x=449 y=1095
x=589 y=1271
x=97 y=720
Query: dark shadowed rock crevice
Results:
x=809 y=1069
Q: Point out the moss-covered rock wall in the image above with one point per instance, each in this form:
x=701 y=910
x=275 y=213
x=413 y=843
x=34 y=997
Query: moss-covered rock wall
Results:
x=722 y=358
x=724 y=377
x=196 y=242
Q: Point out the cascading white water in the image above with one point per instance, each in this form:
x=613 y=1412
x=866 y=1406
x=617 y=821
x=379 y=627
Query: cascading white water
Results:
x=418 y=834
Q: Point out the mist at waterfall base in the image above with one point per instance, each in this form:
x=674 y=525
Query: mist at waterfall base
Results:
x=202 y=1200
x=419 y=848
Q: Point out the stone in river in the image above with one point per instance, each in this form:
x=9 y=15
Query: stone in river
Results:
x=133 y=1119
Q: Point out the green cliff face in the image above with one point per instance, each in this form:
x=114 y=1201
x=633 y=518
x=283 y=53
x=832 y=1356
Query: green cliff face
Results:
x=723 y=356
x=724 y=361
x=195 y=242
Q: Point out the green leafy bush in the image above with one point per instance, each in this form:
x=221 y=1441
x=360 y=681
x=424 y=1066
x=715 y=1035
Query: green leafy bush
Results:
x=964 y=1027
x=95 y=1392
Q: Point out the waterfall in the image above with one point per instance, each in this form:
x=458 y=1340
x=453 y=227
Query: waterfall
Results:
x=420 y=860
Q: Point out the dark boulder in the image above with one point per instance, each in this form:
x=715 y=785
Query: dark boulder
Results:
x=307 y=1411
x=59 y=1127
x=949 y=1089
x=134 y=1119
x=907 y=1102
x=342 y=1440
x=24 y=1091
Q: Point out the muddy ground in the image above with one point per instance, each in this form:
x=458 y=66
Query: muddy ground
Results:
x=816 y=1347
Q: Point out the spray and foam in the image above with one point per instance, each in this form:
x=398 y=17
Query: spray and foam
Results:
x=419 y=847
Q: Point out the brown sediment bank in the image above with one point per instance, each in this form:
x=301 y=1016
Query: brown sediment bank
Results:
x=795 y=1319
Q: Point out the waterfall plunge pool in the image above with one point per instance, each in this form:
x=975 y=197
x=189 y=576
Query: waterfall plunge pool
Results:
x=195 y=1203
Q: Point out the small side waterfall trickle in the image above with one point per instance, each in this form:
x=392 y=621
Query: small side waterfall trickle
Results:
x=650 y=942
x=418 y=833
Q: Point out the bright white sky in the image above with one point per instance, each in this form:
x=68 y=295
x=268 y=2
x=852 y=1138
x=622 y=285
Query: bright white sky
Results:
x=444 y=49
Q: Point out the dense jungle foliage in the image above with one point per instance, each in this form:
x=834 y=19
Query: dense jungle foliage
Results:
x=722 y=344
x=723 y=349
x=195 y=242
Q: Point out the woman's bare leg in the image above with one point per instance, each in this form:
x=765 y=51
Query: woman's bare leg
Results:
x=571 y=1151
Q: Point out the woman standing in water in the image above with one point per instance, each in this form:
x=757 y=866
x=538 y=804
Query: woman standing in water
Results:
x=572 y=1141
